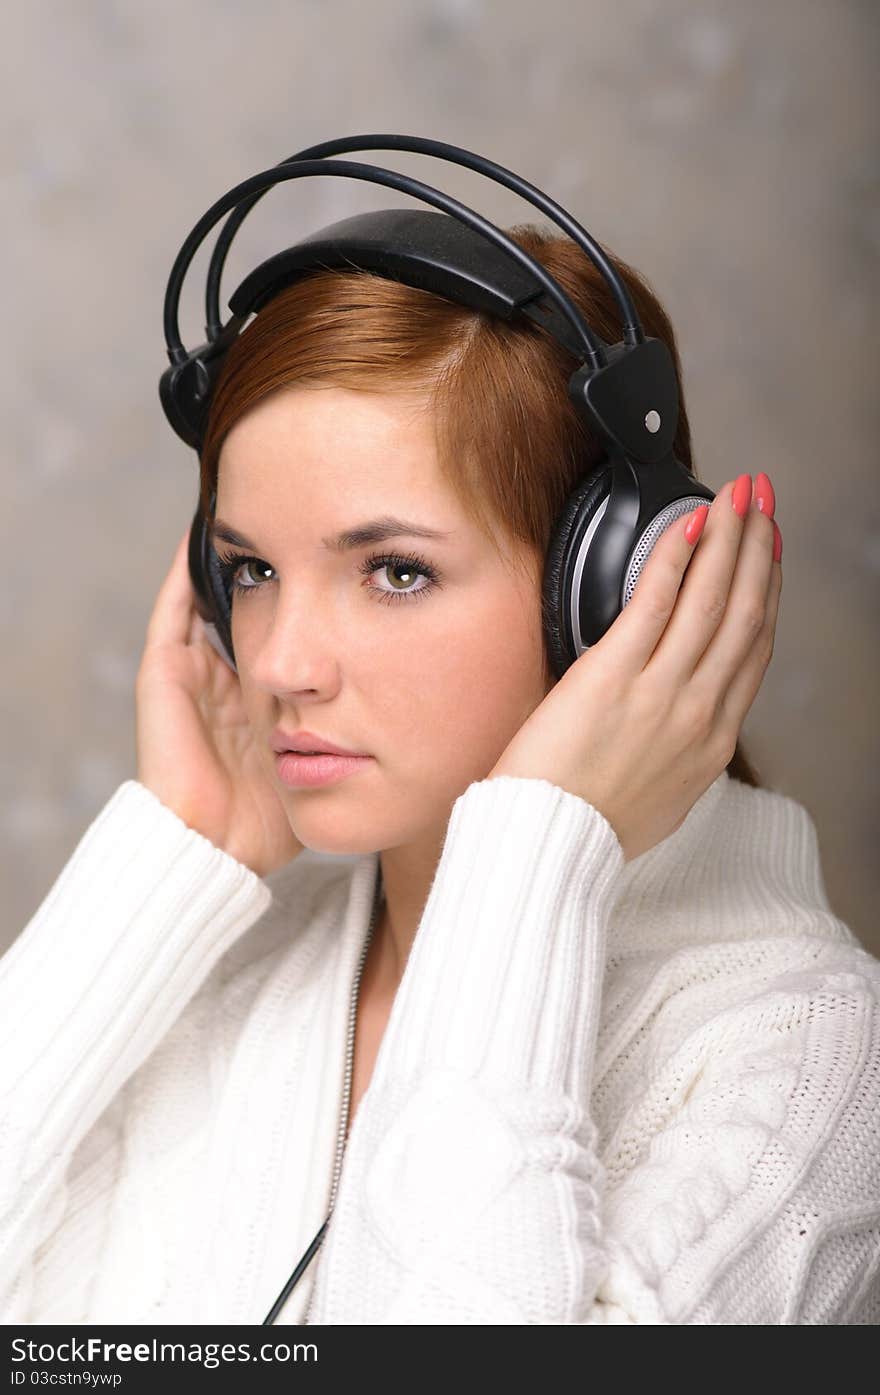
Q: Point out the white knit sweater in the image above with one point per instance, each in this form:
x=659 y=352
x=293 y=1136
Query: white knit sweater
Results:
x=643 y=1093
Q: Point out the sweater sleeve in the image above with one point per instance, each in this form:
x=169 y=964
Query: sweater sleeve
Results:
x=135 y=921
x=472 y=1190
x=470 y=1186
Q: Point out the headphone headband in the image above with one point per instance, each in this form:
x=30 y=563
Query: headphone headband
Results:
x=421 y=248
x=349 y=169
x=628 y=392
x=454 y=154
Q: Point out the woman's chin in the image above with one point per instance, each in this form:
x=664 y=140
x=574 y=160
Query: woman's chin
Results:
x=336 y=845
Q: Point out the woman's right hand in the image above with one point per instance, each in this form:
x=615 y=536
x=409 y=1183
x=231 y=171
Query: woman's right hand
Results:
x=196 y=749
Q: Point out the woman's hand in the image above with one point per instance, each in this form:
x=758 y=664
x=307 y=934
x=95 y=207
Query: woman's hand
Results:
x=195 y=747
x=644 y=721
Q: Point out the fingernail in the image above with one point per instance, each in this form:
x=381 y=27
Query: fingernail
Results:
x=765 y=499
x=742 y=495
x=777 y=542
x=694 y=526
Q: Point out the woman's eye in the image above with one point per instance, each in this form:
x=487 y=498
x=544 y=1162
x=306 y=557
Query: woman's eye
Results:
x=232 y=567
x=404 y=573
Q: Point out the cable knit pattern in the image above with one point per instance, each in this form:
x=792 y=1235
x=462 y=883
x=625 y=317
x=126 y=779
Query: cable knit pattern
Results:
x=607 y=1092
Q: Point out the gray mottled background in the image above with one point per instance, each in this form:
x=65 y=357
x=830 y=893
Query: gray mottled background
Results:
x=727 y=150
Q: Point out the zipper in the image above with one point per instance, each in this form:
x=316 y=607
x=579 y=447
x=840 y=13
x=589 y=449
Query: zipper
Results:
x=349 y=1061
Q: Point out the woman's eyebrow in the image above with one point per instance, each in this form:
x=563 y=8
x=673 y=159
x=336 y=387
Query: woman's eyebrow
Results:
x=376 y=530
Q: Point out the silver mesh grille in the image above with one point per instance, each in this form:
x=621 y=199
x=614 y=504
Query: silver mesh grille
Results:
x=652 y=534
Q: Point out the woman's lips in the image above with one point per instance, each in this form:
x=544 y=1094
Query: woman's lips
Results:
x=306 y=772
x=304 y=742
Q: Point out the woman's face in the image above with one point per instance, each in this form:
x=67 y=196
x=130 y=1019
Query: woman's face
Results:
x=430 y=678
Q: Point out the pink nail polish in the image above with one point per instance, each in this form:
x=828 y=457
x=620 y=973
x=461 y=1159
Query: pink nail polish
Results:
x=765 y=499
x=777 y=542
x=742 y=495
x=694 y=526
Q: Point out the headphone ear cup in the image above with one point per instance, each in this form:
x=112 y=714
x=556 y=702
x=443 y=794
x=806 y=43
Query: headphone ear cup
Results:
x=213 y=601
x=580 y=506
x=222 y=606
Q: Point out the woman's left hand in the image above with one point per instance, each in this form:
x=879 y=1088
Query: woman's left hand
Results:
x=644 y=721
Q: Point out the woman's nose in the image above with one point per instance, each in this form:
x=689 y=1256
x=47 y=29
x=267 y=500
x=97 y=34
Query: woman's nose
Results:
x=297 y=649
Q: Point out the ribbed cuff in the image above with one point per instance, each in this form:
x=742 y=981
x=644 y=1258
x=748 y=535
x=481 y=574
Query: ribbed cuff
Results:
x=132 y=926
x=504 y=976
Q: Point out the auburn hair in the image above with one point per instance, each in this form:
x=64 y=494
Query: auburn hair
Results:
x=509 y=440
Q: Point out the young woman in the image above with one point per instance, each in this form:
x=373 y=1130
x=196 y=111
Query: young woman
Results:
x=571 y=1033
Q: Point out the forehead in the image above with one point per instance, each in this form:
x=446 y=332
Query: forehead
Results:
x=334 y=444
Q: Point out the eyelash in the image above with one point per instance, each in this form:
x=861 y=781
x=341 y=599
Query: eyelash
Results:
x=230 y=562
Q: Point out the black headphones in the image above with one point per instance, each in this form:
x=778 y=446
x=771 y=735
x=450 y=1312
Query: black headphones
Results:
x=627 y=392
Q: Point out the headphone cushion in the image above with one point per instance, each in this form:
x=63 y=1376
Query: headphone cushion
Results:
x=578 y=509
